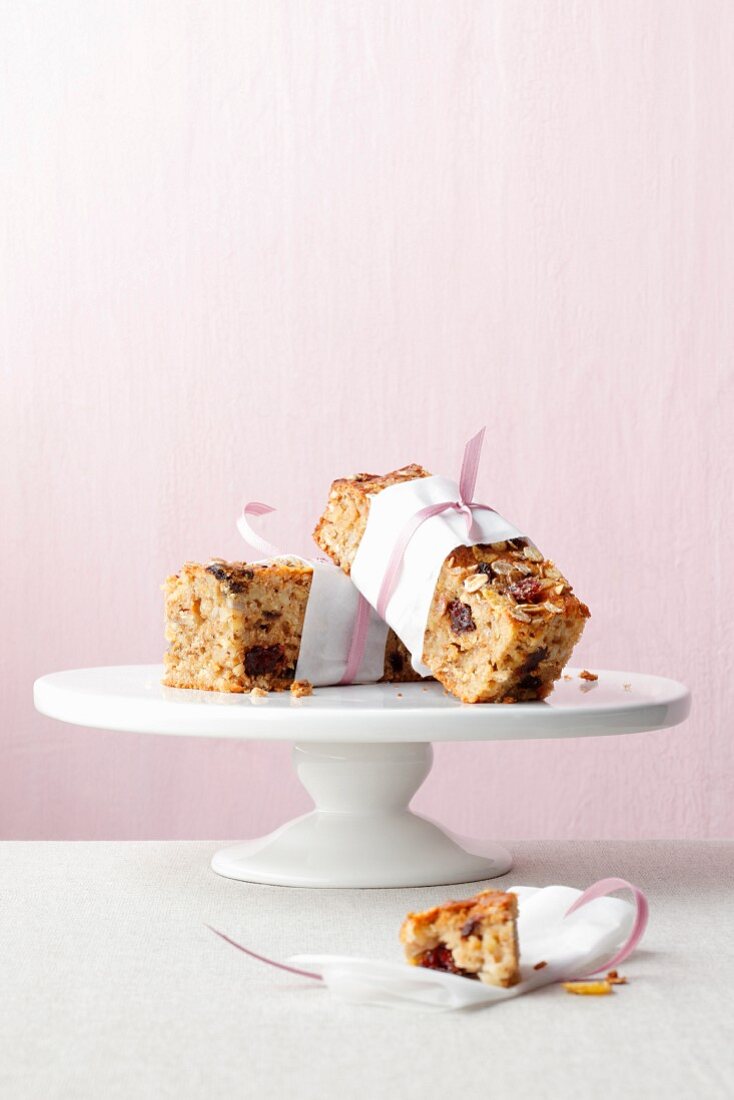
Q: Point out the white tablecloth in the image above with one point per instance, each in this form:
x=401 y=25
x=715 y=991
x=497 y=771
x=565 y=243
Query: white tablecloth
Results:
x=111 y=986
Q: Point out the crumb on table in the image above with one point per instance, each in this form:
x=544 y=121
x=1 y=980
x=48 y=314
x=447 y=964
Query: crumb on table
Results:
x=259 y=693
x=299 y=688
x=586 y=675
x=589 y=989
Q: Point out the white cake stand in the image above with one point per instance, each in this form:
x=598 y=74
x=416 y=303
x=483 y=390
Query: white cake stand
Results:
x=361 y=753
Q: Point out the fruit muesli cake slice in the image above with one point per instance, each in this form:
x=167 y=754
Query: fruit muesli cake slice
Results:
x=476 y=938
x=503 y=620
x=231 y=626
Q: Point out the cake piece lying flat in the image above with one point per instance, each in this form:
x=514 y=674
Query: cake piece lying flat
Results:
x=231 y=626
x=476 y=938
x=503 y=620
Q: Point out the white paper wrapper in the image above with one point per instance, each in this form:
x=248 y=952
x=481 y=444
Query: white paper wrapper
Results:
x=571 y=946
x=328 y=627
x=426 y=552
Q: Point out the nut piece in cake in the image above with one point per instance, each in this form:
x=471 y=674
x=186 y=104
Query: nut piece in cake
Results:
x=503 y=620
x=476 y=938
x=236 y=627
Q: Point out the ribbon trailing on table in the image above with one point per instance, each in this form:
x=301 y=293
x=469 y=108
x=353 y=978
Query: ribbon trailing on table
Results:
x=264 y=959
x=567 y=953
x=361 y=623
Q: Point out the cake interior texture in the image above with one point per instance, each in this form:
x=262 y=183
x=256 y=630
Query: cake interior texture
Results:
x=503 y=620
x=475 y=938
x=234 y=626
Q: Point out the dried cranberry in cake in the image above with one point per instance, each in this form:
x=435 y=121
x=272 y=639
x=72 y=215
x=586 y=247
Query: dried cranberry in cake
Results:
x=440 y=958
x=529 y=683
x=262 y=660
x=232 y=574
x=461 y=617
x=528 y=590
x=397 y=663
x=534 y=659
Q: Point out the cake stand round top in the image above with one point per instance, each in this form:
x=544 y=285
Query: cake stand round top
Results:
x=132 y=698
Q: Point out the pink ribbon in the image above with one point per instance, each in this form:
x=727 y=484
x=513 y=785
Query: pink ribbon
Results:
x=464 y=506
x=250 y=535
x=359 y=640
x=601 y=889
x=264 y=958
x=362 y=618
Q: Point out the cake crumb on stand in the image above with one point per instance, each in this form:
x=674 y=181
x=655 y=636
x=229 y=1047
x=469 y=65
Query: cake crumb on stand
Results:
x=301 y=688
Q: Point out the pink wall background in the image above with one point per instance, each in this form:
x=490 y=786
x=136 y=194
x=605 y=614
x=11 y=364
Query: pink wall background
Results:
x=247 y=247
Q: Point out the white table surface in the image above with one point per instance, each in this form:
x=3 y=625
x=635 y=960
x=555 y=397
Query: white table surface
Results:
x=111 y=986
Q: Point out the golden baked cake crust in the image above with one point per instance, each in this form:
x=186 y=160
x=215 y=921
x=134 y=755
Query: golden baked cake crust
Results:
x=340 y=529
x=234 y=626
x=503 y=620
x=476 y=938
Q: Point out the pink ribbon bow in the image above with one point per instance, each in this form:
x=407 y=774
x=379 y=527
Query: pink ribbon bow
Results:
x=362 y=618
x=465 y=505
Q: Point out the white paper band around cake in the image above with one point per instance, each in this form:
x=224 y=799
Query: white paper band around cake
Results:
x=424 y=554
x=327 y=653
x=328 y=629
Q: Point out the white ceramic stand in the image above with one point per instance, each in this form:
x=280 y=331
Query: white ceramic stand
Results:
x=361 y=752
x=361 y=832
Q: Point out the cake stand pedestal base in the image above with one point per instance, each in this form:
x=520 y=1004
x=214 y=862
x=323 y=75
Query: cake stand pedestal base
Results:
x=362 y=833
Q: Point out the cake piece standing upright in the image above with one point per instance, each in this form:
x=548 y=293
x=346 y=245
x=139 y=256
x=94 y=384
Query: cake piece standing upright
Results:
x=233 y=627
x=476 y=938
x=502 y=620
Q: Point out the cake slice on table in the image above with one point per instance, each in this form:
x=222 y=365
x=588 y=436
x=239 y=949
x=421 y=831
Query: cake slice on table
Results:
x=503 y=619
x=476 y=938
x=236 y=627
